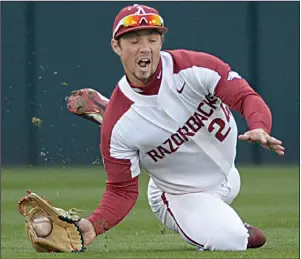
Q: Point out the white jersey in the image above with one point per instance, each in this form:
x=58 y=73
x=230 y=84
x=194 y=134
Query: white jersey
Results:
x=185 y=137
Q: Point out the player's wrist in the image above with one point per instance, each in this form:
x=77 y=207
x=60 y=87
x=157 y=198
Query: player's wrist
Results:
x=98 y=223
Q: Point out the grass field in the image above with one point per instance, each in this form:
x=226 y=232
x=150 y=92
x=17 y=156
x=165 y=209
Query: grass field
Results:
x=269 y=199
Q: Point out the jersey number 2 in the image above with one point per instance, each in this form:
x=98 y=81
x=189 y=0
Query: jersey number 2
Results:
x=221 y=124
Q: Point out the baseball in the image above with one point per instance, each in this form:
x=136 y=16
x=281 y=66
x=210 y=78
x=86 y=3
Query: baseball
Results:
x=42 y=226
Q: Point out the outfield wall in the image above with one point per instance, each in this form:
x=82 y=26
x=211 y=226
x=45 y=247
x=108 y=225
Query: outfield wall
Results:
x=51 y=48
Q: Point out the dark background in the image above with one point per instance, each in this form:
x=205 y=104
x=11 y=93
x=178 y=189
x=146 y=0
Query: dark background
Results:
x=51 y=48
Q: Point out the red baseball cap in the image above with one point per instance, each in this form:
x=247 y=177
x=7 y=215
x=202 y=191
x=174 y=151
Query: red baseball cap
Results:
x=143 y=13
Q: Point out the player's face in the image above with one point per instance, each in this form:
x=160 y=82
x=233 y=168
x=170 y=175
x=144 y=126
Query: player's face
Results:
x=140 y=54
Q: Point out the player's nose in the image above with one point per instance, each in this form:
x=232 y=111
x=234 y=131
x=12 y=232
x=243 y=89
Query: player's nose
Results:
x=145 y=46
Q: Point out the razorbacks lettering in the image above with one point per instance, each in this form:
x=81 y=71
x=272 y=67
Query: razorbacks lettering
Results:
x=194 y=123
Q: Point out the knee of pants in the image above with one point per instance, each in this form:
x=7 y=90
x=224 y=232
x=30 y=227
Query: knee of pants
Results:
x=234 y=184
x=229 y=240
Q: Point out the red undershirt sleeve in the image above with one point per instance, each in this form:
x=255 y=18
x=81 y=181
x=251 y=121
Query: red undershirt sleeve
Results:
x=121 y=163
x=240 y=97
x=117 y=201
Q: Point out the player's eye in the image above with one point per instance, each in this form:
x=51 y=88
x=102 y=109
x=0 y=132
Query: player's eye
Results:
x=153 y=40
x=133 y=41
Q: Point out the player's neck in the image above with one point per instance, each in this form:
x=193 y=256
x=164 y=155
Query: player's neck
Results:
x=135 y=82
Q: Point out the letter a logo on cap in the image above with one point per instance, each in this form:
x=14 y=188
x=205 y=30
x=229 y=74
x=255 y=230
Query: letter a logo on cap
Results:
x=140 y=9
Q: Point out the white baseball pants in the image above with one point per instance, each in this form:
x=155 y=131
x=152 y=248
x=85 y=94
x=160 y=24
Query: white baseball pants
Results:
x=203 y=219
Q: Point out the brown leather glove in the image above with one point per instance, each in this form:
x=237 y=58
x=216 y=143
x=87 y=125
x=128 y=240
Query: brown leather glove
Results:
x=65 y=235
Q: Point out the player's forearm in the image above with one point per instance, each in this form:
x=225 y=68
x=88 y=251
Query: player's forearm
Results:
x=239 y=96
x=257 y=113
x=117 y=202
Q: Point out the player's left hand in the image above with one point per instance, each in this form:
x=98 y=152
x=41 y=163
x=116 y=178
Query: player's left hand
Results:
x=266 y=141
x=87 y=230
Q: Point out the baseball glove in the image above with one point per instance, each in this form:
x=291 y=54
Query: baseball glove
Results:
x=65 y=235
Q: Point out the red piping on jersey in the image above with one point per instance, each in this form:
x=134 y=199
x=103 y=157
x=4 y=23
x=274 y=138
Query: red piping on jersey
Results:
x=121 y=190
x=165 y=201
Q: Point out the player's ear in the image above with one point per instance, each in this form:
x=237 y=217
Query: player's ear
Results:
x=116 y=46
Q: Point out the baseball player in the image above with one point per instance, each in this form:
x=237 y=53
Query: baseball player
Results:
x=170 y=114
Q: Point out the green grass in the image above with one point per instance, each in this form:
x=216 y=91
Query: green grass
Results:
x=269 y=199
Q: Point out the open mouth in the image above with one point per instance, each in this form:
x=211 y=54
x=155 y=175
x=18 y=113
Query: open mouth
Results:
x=144 y=63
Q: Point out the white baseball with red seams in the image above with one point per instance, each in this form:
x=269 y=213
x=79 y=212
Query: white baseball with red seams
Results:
x=42 y=226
